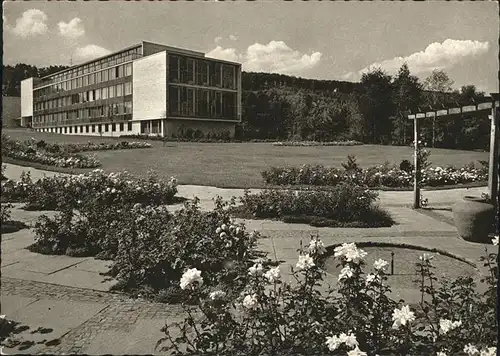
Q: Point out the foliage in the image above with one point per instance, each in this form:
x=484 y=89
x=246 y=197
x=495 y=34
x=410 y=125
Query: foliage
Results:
x=34 y=151
x=114 y=189
x=385 y=175
x=90 y=146
x=317 y=143
x=343 y=205
x=275 y=317
x=154 y=250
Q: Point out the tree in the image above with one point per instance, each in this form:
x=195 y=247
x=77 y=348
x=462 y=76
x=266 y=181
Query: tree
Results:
x=407 y=96
x=438 y=83
x=376 y=105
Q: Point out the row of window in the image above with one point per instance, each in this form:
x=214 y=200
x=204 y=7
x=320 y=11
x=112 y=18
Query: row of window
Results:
x=94 y=112
x=201 y=72
x=90 y=128
x=118 y=58
x=90 y=79
x=87 y=96
x=185 y=101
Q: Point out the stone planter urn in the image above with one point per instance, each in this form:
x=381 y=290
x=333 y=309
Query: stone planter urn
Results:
x=474 y=217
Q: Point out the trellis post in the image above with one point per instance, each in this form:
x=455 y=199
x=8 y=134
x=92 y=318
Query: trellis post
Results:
x=494 y=151
x=416 y=163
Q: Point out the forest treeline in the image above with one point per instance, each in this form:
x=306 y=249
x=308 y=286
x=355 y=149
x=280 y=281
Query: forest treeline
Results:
x=283 y=107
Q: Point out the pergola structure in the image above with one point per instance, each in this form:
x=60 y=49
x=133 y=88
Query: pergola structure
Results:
x=489 y=107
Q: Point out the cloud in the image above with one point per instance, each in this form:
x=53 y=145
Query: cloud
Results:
x=217 y=39
x=227 y=54
x=72 y=29
x=90 y=52
x=233 y=37
x=275 y=57
x=31 y=23
x=436 y=56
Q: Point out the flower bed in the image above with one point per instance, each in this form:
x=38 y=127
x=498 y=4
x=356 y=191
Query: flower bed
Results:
x=343 y=206
x=318 y=143
x=119 y=189
x=149 y=246
x=29 y=152
x=355 y=318
x=374 y=177
x=90 y=146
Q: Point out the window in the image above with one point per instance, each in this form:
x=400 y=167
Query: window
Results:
x=92 y=79
x=128 y=69
x=129 y=126
x=106 y=128
x=112 y=73
x=113 y=127
x=215 y=74
x=85 y=80
x=144 y=127
x=79 y=82
x=119 y=71
x=202 y=73
x=229 y=105
x=98 y=77
x=128 y=107
x=120 y=108
x=128 y=89
x=105 y=76
x=98 y=94
x=202 y=103
x=93 y=128
x=112 y=91
x=173 y=70
x=119 y=90
x=228 y=75
x=87 y=129
x=91 y=95
x=173 y=100
x=104 y=93
x=121 y=126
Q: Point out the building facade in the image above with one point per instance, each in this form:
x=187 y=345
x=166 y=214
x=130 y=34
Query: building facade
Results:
x=147 y=89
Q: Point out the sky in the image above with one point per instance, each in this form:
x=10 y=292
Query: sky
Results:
x=320 y=40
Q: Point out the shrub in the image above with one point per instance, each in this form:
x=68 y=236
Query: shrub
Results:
x=51 y=193
x=154 y=250
x=357 y=317
x=406 y=166
x=345 y=203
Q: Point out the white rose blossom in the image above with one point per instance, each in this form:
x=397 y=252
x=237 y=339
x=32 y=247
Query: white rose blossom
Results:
x=426 y=257
x=250 y=301
x=317 y=246
x=402 y=316
x=333 y=342
x=356 y=352
x=255 y=270
x=350 y=252
x=471 y=350
x=441 y=353
x=346 y=272
x=490 y=351
x=380 y=264
x=370 y=278
x=305 y=262
x=495 y=240
x=190 y=277
x=218 y=294
x=446 y=325
x=273 y=274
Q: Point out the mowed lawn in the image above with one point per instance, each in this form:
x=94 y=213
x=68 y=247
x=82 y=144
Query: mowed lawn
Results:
x=239 y=165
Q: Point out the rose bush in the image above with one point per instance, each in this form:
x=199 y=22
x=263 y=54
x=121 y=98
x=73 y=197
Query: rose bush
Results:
x=33 y=151
x=272 y=316
x=344 y=205
x=91 y=146
x=113 y=189
x=385 y=175
x=318 y=143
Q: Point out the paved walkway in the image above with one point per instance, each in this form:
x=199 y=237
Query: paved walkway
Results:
x=69 y=295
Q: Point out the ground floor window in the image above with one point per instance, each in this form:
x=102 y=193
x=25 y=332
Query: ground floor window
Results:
x=106 y=128
x=87 y=128
x=155 y=126
x=113 y=127
x=121 y=126
x=93 y=128
x=129 y=126
x=144 y=127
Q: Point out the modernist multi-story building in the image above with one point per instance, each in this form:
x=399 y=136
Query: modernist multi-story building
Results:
x=148 y=89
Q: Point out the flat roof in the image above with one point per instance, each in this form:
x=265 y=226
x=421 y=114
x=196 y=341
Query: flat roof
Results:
x=141 y=44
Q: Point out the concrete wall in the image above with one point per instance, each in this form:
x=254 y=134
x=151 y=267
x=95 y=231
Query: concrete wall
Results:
x=149 y=87
x=27 y=97
x=172 y=127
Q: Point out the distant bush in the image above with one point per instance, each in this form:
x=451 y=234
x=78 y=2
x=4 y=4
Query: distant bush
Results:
x=344 y=205
x=318 y=143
